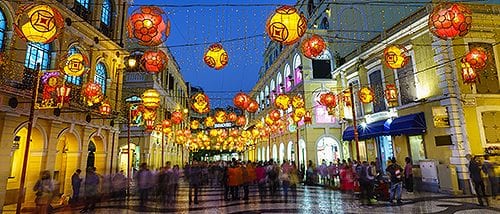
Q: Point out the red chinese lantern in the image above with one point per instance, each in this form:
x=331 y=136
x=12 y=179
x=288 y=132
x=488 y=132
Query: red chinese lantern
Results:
x=346 y=98
x=166 y=124
x=63 y=93
x=396 y=56
x=282 y=102
x=477 y=58
x=232 y=117
x=220 y=116
x=241 y=100
x=286 y=25
x=200 y=103
x=241 y=121
x=469 y=74
x=154 y=61
x=176 y=117
x=253 y=106
x=105 y=108
x=313 y=47
x=149 y=26
x=150 y=125
x=275 y=115
x=391 y=94
x=328 y=100
x=92 y=93
x=308 y=118
x=209 y=122
x=216 y=57
x=366 y=95
x=449 y=20
x=38 y=23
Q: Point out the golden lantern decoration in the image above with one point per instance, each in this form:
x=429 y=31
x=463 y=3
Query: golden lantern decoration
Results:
x=286 y=25
x=328 y=99
x=255 y=133
x=469 y=74
x=200 y=103
x=366 y=95
x=232 y=117
x=253 y=106
x=391 y=94
x=396 y=56
x=275 y=115
x=75 y=64
x=308 y=118
x=241 y=121
x=298 y=101
x=151 y=99
x=209 y=122
x=195 y=124
x=150 y=125
x=477 y=58
x=166 y=123
x=216 y=57
x=313 y=47
x=299 y=112
x=220 y=116
x=282 y=102
x=449 y=20
x=39 y=23
x=148 y=114
x=241 y=100
x=149 y=26
x=63 y=93
x=268 y=120
x=167 y=130
x=92 y=93
x=346 y=97
x=105 y=108
x=176 y=117
x=154 y=61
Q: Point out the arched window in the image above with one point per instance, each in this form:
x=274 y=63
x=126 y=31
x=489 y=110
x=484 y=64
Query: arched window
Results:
x=106 y=12
x=101 y=76
x=84 y=3
x=75 y=80
x=263 y=102
x=37 y=53
x=320 y=111
x=288 y=78
x=3 y=28
x=324 y=24
x=272 y=87
x=279 y=81
x=297 y=66
x=267 y=95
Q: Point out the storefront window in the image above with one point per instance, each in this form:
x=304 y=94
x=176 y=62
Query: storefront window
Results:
x=417 y=150
x=362 y=151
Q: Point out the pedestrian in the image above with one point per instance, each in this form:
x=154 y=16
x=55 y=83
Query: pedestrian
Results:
x=294 y=181
x=91 y=189
x=76 y=181
x=285 y=178
x=119 y=185
x=366 y=181
x=477 y=180
x=144 y=181
x=44 y=189
x=260 y=173
x=175 y=182
x=396 y=174
x=489 y=169
x=234 y=180
x=323 y=172
x=408 y=175
x=194 y=177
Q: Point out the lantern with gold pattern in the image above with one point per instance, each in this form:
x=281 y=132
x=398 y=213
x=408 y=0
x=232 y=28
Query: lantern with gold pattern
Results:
x=75 y=65
x=149 y=26
x=275 y=115
x=220 y=116
x=282 y=102
x=449 y=20
x=151 y=99
x=366 y=95
x=216 y=57
x=241 y=100
x=154 y=61
x=313 y=47
x=195 y=124
x=209 y=122
x=92 y=93
x=286 y=25
x=39 y=23
x=105 y=108
x=391 y=94
x=396 y=56
x=200 y=103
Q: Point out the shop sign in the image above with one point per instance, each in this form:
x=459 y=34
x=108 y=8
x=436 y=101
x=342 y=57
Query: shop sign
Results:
x=223 y=125
x=384 y=115
x=440 y=117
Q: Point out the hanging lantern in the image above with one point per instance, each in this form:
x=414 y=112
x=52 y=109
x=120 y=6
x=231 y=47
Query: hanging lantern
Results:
x=38 y=23
x=105 y=108
x=241 y=121
x=75 y=65
x=268 y=120
x=216 y=57
x=63 y=93
x=282 y=102
x=167 y=131
x=275 y=115
x=286 y=25
x=151 y=99
x=308 y=118
x=298 y=101
x=200 y=103
x=313 y=47
x=299 y=112
x=241 y=100
x=469 y=74
x=296 y=118
x=449 y=20
x=195 y=124
x=391 y=94
x=477 y=58
x=346 y=97
x=176 y=117
x=148 y=114
x=328 y=99
x=150 y=125
x=253 y=106
x=92 y=93
x=366 y=95
x=220 y=116
x=396 y=56
x=154 y=61
x=166 y=124
x=232 y=117
x=209 y=122
x=149 y=26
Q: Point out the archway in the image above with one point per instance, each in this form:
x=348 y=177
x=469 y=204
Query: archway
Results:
x=291 y=151
x=123 y=157
x=258 y=154
x=275 y=153
x=327 y=149
x=99 y=154
x=67 y=162
x=282 y=152
x=302 y=154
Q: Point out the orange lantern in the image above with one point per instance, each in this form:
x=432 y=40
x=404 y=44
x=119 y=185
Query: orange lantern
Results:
x=449 y=20
x=308 y=118
x=216 y=57
x=38 y=23
x=148 y=114
x=313 y=47
x=149 y=26
x=275 y=115
x=151 y=99
x=232 y=117
x=150 y=125
x=328 y=99
x=220 y=116
x=63 y=93
x=176 y=117
x=154 y=61
x=268 y=120
x=391 y=94
x=200 y=103
x=477 y=58
x=469 y=74
x=346 y=97
x=241 y=100
x=241 y=121
x=195 y=124
x=366 y=95
x=92 y=93
x=282 y=102
x=396 y=56
x=253 y=106
x=166 y=124
x=286 y=25
x=105 y=108
x=299 y=112
x=296 y=118
x=209 y=122
x=298 y=101
x=167 y=131
x=75 y=65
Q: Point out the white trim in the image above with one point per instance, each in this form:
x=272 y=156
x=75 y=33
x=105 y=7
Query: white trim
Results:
x=355 y=96
x=479 y=110
x=351 y=76
x=372 y=70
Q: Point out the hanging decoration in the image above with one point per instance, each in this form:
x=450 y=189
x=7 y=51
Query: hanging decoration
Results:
x=396 y=56
x=253 y=106
x=391 y=95
x=346 y=98
x=313 y=47
x=63 y=94
x=149 y=26
x=268 y=120
x=209 y=122
x=50 y=81
x=476 y=58
x=366 y=95
x=469 y=74
x=275 y=115
x=241 y=100
x=176 y=117
x=195 y=124
x=308 y=118
x=328 y=99
x=286 y=25
x=232 y=117
x=220 y=116
x=298 y=101
x=75 y=64
x=166 y=124
x=105 y=108
x=151 y=99
x=282 y=102
x=200 y=103
x=150 y=125
x=38 y=23
x=92 y=93
x=216 y=57
x=148 y=114
x=154 y=61
x=241 y=121
x=449 y=20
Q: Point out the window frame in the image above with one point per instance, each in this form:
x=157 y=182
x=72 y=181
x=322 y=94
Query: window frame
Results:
x=415 y=76
x=372 y=70
x=98 y=77
x=408 y=145
x=109 y=16
x=45 y=49
x=494 y=60
x=3 y=30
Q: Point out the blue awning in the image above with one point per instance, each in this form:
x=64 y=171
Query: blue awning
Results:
x=371 y=130
x=408 y=125
x=348 y=134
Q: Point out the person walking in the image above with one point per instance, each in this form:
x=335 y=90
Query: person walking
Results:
x=489 y=169
x=285 y=178
x=44 y=189
x=91 y=189
x=119 y=185
x=144 y=178
x=366 y=179
x=194 y=177
x=396 y=174
x=477 y=180
x=408 y=175
x=76 y=181
x=260 y=173
x=294 y=181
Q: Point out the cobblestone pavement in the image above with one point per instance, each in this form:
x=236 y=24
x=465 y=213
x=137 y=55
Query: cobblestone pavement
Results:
x=310 y=200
